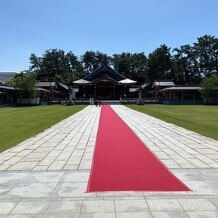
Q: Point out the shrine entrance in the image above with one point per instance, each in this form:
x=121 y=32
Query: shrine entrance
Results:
x=105 y=89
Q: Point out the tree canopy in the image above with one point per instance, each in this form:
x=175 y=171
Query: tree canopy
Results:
x=92 y=60
x=210 y=86
x=187 y=64
x=133 y=66
x=25 y=84
x=56 y=64
x=160 y=64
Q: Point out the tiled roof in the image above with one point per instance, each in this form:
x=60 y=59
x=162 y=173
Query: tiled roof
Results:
x=7 y=88
x=181 y=88
x=104 y=69
x=63 y=86
x=45 y=84
x=163 y=83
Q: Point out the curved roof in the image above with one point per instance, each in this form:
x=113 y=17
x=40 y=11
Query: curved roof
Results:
x=104 y=69
x=104 y=72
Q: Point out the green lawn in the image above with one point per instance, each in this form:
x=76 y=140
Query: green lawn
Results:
x=20 y=123
x=198 y=118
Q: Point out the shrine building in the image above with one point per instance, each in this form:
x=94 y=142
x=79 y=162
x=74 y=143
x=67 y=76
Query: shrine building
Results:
x=104 y=83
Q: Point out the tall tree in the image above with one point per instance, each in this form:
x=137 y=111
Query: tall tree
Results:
x=188 y=64
x=130 y=65
x=92 y=60
x=187 y=67
x=55 y=63
x=121 y=63
x=36 y=63
x=207 y=54
x=160 y=64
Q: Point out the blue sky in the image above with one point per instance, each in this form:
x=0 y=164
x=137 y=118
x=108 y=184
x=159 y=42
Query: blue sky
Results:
x=112 y=26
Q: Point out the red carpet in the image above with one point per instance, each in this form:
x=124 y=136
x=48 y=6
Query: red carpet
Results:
x=122 y=162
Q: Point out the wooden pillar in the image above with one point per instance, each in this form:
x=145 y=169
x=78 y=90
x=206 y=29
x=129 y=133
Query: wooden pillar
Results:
x=8 y=98
x=84 y=91
x=52 y=94
x=70 y=95
x=182 y=95
x=124 y=95
x=114 y=90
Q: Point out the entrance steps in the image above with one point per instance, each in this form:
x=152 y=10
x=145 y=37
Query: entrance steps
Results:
x=105 y=102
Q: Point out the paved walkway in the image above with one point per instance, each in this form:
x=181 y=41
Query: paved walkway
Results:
x=47 y=175
x=67 y=145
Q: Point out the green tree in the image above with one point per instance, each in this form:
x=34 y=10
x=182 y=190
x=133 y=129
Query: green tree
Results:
x=26 y=85
x=73 y=70
x=121 y=63
x=210 y=86
x=92 y=60
x=133 y=66
x=160 y=64
x=10 y=82
x=36 y=63
x=207 y=54
x=55 y=63
x=186 y=64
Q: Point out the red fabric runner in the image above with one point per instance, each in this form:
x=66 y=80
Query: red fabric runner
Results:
x=122 y=162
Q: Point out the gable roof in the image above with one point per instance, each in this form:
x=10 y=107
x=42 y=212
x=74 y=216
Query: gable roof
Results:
x=104 y=69
x=104 y=72
x=51 y=84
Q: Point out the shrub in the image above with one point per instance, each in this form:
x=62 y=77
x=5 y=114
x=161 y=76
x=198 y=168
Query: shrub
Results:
x=26 y=85
x=210 y=86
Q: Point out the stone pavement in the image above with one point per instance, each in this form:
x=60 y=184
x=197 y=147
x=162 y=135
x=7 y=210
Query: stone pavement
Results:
x=67 y=145
x=47 y=175
x=176 y=147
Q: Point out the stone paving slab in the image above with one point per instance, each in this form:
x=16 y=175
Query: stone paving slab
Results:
x=47 y=175
x=67 y=145
x=175 y=146
x=63 y=192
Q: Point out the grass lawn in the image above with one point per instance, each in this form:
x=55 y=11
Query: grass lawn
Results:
x=198 y=118
x=20 y=123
